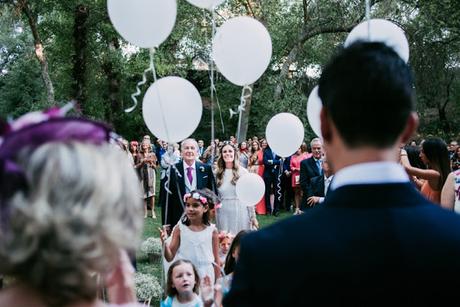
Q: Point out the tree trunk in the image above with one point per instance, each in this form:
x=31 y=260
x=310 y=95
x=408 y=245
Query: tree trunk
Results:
x=79 y=61
x=113 y=80
x=39 y=50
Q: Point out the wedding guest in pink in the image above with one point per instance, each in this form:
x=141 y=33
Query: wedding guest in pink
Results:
x=256 y=165
x=300 y=155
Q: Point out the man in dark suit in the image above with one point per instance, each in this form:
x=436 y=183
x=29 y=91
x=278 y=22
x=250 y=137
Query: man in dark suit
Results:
x=310 y=168
x=375 y=241
x=319 y=185
x=188 y=175
x=272 y=178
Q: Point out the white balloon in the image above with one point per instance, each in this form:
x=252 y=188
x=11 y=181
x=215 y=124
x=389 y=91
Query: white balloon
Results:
x=384 y=31
x=314 y=107
x=144 y=23
x=206 y=4
x=172 y=109
x=250 y=188
x=284 y=134
x=242 y=49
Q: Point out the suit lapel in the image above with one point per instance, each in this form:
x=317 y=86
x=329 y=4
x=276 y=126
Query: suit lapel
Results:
x=181 y=181
x=199 y=175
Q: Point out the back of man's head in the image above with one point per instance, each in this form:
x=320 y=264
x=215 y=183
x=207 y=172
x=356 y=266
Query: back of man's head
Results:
x=367 y=92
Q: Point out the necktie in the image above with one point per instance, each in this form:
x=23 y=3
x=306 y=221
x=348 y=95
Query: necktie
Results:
x=318 y=164
x=189 y=174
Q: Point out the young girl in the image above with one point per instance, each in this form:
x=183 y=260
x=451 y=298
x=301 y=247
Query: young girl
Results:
x=193 y=238
x=182 y=285
x=225 y=240
x=230 y=262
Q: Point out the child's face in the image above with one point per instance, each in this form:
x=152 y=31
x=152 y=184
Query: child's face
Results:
x=194 y=210
x=183 y=278
x=225 y=245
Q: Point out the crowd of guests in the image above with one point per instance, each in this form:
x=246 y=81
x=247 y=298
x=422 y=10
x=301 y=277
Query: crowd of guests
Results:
x=297 y=184
x=71 y=207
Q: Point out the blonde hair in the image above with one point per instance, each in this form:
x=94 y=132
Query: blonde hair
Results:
x=81 y=206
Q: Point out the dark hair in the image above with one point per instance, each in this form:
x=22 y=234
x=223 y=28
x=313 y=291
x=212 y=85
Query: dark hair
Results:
x=413 y=154
x=436 y=152
x=170 y=290
x=211 y=201
x=230 y=260
x=367 y=90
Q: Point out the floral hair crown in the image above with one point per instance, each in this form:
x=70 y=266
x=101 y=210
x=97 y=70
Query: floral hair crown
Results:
x=225 y=235
x=195 y=195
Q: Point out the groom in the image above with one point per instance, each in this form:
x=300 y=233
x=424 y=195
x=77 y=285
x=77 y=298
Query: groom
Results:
x=375 y=241
x=190 y=175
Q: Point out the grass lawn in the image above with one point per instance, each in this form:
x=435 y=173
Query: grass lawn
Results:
x=151 y=230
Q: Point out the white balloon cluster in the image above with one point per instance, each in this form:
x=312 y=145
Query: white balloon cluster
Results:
x=241 y=49
x=373 y=30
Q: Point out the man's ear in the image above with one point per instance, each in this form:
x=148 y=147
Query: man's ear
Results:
x=411 y=126
x=326 y=129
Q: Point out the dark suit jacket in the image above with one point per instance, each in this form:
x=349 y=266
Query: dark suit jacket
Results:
x=271 y=168
x=205 y=179
x=367 y=245
x=316 y=186
x=308 y=170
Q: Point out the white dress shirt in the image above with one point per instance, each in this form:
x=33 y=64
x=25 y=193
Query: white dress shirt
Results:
x=189 y=186
x=370 y=173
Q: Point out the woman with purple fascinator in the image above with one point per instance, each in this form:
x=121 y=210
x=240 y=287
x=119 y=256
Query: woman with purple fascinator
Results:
x=70 y=208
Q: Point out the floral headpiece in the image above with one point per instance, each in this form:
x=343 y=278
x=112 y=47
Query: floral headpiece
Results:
x=225 y=235
x=203 y=200
x=33 y=130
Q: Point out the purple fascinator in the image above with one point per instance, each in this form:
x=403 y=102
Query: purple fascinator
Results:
x=33 y=130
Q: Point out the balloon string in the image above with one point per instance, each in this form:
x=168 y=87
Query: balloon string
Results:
x=214 y=96
x=245 y=94
x=278 y=181
x=143 y=81
x=211 y=64
x=138 y=90
x=160 y=103
x=368 y=17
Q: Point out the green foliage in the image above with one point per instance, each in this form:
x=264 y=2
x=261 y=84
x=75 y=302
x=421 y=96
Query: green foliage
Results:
x=112 y=73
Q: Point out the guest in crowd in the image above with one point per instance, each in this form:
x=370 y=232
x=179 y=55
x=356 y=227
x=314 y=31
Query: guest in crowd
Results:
x=70 y=209
x=310 y=168
x=201 y=149
x=450 y=194
x=319 y=185
x=233 y=215
x=452 y=148
x=134 y=149
x=272 y=177
x=436 y=158
x=375 y=240
x=190 y=175
x=256 y=166
x=300 y=155
x=455 y=160
x=244 y=154
x=146 y=164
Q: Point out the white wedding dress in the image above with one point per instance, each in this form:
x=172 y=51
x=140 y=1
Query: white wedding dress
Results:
x=233 y=215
